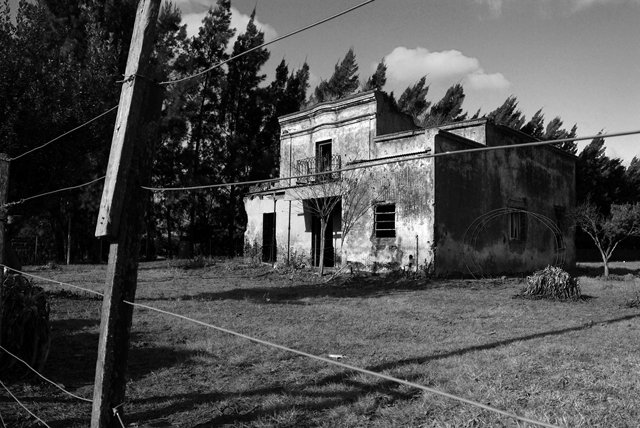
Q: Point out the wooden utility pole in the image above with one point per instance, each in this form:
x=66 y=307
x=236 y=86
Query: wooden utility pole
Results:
x=120 y=219
x=4 y=189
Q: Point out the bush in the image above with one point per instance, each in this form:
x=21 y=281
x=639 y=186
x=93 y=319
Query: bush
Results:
x=552 y=283
x=25 y=323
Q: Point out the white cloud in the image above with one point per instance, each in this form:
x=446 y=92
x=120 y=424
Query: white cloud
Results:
x=480 y=80
x=405 y=66
x=238 y=21
x=495 y=6
x=583 y=4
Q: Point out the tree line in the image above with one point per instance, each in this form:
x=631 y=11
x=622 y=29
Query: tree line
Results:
x=62 y=63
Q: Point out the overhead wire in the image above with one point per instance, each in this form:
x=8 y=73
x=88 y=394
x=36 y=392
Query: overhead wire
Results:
x=44 y=377
x=365 y=163
x=22 y=405
x=277 y=39
x=52 y=192
x=65 y=134
x=316 y=357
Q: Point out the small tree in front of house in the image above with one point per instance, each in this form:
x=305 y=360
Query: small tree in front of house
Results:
x=607 y=231
x=325 y=192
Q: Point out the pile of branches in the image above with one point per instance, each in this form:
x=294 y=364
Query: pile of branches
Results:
x=552 y=283
x=25 y=324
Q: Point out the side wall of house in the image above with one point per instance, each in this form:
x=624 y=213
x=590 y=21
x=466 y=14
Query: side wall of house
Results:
x=481 y=196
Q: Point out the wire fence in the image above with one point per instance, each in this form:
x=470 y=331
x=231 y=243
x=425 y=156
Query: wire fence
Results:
x=302 y=353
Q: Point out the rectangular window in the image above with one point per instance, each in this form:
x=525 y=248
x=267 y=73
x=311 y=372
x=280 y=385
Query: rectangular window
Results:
x=385 y=221
x=323 y=156
x=517 y=226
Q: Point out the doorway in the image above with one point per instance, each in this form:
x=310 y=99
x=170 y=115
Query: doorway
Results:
x=329 y=259
x=269 y=247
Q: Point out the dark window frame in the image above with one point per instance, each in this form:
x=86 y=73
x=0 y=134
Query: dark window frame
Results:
x=384 y=220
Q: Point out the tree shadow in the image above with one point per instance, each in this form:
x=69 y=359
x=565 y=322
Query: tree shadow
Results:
x=386 y=392
x=361 y=286
x=616 y=272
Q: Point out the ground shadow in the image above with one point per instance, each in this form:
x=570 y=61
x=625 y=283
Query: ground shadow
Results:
x=357 y=286
x=597 y=271
x=386 y=392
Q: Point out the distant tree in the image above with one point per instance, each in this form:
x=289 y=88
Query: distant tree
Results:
x=633 y=180
x=508 y=114
x=535 y=126
x=599 y=179
x=449 y=108
x=476 y=115
x=343 y=82
x=413 y=100
x=554 y=131
x=608 y=230
x=377 y=79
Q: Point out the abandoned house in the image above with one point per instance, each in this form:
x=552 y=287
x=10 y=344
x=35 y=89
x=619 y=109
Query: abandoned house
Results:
x=404 y=199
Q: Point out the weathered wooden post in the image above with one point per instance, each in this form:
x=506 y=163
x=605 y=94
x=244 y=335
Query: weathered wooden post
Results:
x=119 y=220
x=4 y=189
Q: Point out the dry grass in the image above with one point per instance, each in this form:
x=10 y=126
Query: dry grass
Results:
x=569 y=363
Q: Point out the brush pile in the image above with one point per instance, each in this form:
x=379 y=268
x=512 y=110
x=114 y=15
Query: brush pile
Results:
x=552 y=283
x=25 y=329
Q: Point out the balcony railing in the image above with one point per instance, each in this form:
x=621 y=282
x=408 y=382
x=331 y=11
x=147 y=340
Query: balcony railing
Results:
x=317 y=165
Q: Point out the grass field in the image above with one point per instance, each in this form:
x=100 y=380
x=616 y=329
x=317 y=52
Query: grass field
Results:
x=568 y=363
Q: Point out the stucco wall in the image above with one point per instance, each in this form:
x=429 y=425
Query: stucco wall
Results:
x=539 y=180
x=409 y=185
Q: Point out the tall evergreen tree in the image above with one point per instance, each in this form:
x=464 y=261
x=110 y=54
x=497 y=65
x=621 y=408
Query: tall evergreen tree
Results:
x=342 y=83
x=600 y=180
x=413 y=100
x=508 y=114
x=378 y=79
x=535 y=126
x=246 y=155
x=555 y=131
x=449 y=108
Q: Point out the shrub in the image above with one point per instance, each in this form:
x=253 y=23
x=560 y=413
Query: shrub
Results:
x=25 y=323
x=552 y=283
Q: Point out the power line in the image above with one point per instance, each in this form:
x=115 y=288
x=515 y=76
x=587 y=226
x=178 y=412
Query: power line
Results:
x=22 y=405
x=277 y=39
x=45 y=378
x=316 y=357
x=21 y=201
x=371 y=163
x=65 y=134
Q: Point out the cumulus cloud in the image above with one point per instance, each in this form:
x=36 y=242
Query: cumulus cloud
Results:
x=405 y=66
x=495 y=6
x=239 y=21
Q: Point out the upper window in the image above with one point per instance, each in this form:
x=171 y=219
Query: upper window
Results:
x=323 y=156
x=385 y=221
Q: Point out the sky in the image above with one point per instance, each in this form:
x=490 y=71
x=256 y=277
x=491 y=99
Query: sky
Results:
x=577 y=59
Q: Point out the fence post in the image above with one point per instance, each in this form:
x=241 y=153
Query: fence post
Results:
x=120 y=218
x=4 y=188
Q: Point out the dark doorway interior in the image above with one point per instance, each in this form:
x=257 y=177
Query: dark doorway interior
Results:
x=328 y=242
x=269 y=237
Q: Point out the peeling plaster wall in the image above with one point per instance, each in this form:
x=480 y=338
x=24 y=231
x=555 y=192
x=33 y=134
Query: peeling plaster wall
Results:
x=467 y=186
x=410 y=186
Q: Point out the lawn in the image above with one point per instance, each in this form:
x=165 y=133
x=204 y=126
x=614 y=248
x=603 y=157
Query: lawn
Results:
x=567 y=363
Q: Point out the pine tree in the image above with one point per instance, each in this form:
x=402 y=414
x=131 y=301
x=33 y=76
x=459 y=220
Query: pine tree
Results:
x=246 y=156
x=377 y=79
x=413 y=100
x=632 y=176
x=508 y=114
x=449 y=108
x=342 y=83
x=600 y=180
x=535 y=126
x=555 y=131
